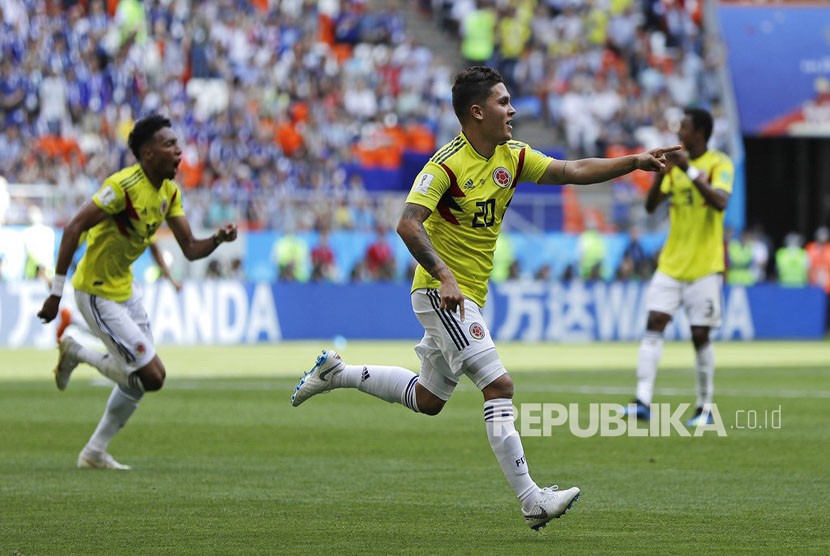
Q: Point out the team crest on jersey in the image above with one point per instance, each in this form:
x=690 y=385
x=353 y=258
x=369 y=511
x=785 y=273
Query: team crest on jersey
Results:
x=502 y=176
x=140 y=349
x=477 y=331
x=163 y=207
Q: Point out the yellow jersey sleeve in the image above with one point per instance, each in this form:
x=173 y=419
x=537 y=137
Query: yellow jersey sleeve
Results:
x=429 y=186
x=722 y=173
x=110 y=198
x=535 y=164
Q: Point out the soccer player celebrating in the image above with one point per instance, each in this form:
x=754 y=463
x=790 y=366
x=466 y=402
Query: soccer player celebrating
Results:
x=65 y=319
x=691 y=264
x=450 y=223
x=121 y=220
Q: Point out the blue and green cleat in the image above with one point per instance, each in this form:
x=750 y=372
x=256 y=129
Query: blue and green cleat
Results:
x=638 y=408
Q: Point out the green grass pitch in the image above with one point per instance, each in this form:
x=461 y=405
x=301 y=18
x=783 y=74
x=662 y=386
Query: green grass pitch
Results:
x=223 y=465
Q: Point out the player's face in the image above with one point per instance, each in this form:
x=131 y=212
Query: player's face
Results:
x=166 y=154
x=686 y=133
x=499 y=114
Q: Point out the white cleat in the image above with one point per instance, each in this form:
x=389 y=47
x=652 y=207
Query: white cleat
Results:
x=318 y=379
x=92 y=460
x=552 y=503
x=67 y=361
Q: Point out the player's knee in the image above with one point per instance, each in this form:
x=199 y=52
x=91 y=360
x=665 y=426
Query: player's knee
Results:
x=428 y=403
x=152 y=382
x=432 y=408
x=502 y=387
x=152 y=377
x=700 y=337
x=657 y=322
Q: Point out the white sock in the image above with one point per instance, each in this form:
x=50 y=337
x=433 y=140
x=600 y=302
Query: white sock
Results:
x=507 y=446
x=107 y=366
x=651 y=349
x=391 y=384
x=705 y=364
x=120 y=406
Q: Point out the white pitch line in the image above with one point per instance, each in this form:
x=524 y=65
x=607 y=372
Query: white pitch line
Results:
x=719 y=392
x=243 y=385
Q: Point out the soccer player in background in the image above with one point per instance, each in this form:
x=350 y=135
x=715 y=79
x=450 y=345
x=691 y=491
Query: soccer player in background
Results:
x=690 y=268
x=121 y=220
x=450 y=223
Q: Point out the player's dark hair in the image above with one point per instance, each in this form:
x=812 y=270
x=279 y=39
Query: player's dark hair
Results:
x=144 y=130
x=701 y=121
x=472 y=86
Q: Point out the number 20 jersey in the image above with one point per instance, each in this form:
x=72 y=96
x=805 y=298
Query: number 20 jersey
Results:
x=468 y=195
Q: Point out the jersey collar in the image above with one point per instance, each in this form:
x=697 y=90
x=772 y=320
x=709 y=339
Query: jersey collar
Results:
x=472 y=149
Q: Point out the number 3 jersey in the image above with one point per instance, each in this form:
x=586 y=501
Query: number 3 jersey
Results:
x=694 y=247
x=468 y=195
x=136 y=209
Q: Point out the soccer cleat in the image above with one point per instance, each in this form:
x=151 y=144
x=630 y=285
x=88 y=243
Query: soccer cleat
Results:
x=92 y=460
x=63 y=323
x=700 y=418
x=642 y=411
x=552 y=504
x=67 y=361
x=318 y=379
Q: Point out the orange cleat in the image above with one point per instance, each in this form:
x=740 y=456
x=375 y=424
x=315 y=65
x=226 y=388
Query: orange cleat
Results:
x=63 y=324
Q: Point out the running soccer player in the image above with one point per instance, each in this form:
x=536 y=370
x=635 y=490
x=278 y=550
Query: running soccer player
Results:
x=121 y=220
x=450 y=223
x=65 y=319
x=690 y=269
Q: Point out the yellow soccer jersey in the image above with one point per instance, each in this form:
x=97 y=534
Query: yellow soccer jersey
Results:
x=694 y=247
x=136 y=210
x=468 y=195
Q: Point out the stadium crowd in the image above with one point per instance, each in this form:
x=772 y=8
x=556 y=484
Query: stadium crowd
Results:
x=610 y=74
x=270 y=101
x=274 y=99
x=276 y=102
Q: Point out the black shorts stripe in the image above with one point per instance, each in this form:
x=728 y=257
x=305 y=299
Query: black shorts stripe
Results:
x=446 y=319
x=453 y=324
x=450 y=324
x=128 y=355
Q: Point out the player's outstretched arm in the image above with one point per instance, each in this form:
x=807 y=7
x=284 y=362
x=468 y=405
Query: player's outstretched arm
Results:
x=596 y=170
x=414 y=235
x=194 y=248
x=89 y=215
